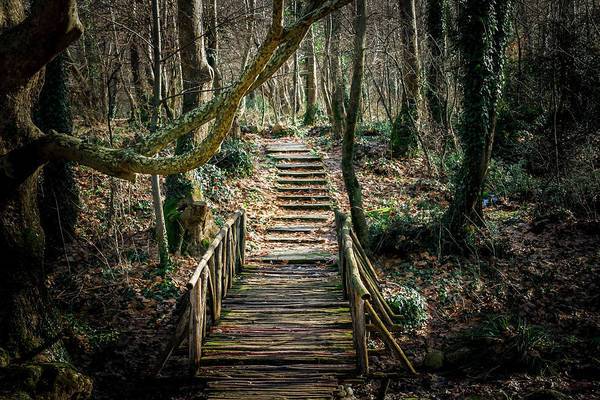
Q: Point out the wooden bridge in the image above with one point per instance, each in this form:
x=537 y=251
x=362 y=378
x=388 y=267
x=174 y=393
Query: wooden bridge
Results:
x=292 y=324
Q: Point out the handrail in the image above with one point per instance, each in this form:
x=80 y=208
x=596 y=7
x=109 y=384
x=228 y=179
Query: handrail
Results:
x=361 y=288
x=211 y=279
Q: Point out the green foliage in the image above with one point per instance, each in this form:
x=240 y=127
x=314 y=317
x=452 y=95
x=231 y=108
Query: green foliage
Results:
x=403 y=138
x=410 y=306
x=510 y=343
x=96 y=338
x=212 y=180
x=236 y=157
x=374 y=129
x=164 y=290
x=310 y=116
x=173 y=222
x=510 y=181
x=393 y=229
x=576 y=190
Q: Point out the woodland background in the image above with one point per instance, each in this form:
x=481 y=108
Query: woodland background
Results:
x=502 y=304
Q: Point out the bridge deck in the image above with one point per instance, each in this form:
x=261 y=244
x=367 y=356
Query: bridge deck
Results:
x=285 y=331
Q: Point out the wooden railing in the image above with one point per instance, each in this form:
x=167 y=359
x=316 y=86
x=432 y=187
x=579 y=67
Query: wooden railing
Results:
x=207 y=287
x=369 y=310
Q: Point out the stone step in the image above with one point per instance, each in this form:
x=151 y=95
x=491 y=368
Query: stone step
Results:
x=301 y=189
x=285 y=147
x=293 y=229
x=292 y=239
x=315 y=218
x=300 y=181
x=306 y=206
x=312 y=166
x=301 y=173
x=303 y=197
x=295 y=157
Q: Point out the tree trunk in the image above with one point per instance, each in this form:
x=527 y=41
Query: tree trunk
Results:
x=435 y=92
x=212 y=52
x=310 y=72
x=29 y=328
x=484 y=57
x=359 y=220
x=160 y=228
x=183 y=190
x=337 y=78
x=406 y=124
x=138 y=77
x=59 y=197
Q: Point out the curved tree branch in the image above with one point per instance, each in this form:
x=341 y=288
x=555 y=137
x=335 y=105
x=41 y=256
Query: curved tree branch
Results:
x=125 y=163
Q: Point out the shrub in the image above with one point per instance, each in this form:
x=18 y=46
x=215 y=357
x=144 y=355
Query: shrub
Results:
x=395 y=230
x=507 y=343
x=235 y=157
x=212 y=181
x=510 y=181
x=410 y=306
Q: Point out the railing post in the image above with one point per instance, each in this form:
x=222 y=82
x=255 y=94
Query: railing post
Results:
x=214 y=293
x=360 y=334
x=243 y=239
x=231 y=249
x=224 y=272
x=195 y=336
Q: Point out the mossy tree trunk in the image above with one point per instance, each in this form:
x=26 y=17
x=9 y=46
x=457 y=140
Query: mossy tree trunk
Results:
x=30 y=332
x=353 y=188
x=212 y=51
x=59 y=196
x=138 y=77
x=160 y=227
x=338 y=92
x=435 y=88
x=483 y=40
x=310 y=72
x=404 y=130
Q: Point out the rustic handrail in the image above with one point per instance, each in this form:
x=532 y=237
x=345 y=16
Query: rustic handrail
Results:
x=211 y=280
x=361 y=288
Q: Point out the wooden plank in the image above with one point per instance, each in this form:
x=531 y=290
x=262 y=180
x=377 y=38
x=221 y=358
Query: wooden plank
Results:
x=285 y=147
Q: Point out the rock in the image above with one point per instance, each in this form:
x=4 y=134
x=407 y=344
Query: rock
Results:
x=4 y=358
x=47 y=381
x=434 y=360
x=279 y=128
x=249 y=128
x=458 y=357
x=545 y=394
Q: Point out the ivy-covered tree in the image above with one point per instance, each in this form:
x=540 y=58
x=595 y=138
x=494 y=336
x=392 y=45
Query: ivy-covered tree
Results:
x=482 y=40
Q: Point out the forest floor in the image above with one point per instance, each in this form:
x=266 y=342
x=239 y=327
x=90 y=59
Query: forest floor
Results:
x=518 y=316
